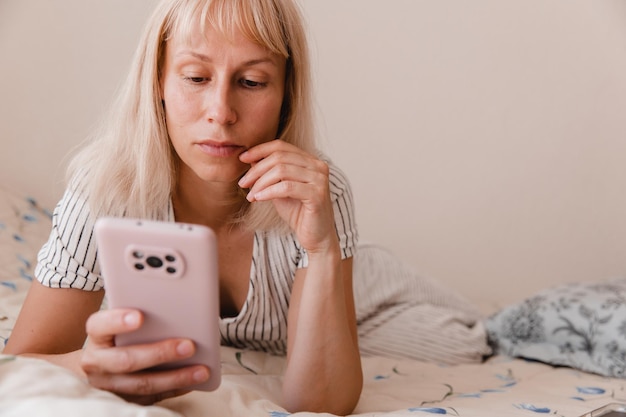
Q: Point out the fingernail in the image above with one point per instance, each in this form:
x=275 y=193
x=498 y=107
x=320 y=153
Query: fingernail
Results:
x=184 y=348
x=242 y=181
x=131 y=319
x=200 y=375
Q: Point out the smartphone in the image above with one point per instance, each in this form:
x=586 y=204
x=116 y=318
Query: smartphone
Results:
x=169 y=272
x=609 y=410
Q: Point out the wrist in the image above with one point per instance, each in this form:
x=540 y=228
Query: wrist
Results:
x=325 y=251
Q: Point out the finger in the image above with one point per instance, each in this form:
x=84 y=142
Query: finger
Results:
x=135 y=358
x=285 y=181
x=265 y=149
x=304 y=193
x=103 y=325
x=260 y=166
x=303 y=161
x=152 y=383
x=274 y=173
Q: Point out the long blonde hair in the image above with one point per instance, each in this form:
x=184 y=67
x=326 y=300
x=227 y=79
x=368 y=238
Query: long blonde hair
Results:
x=129 y=166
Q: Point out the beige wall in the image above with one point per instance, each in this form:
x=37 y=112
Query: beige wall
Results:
x=485 y=140
x=60 y=64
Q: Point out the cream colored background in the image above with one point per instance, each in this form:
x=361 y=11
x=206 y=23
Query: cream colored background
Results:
x=485 y=139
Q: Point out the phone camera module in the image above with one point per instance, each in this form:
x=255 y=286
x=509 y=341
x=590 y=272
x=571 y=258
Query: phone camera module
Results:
x=154 y=261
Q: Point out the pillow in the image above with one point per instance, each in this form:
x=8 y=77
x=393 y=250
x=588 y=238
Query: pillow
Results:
x=401 y=314
x=24 y=227
x=580 y=325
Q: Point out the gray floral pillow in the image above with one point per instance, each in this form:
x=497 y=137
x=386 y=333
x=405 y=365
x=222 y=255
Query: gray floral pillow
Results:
x=580 y=325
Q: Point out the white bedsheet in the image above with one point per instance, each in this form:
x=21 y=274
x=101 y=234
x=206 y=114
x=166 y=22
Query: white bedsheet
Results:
x=251 y=387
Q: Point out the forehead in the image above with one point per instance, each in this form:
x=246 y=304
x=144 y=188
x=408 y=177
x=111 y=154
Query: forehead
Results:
x=233 y=21
x=216 y=47
x=197 y=35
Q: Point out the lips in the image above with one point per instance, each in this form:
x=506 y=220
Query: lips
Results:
x=220 y=149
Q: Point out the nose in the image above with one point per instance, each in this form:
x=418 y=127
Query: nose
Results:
x=220 y=104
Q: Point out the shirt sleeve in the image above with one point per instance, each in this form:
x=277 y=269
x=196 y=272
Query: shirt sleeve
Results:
x=69 y=258
x=345 y=220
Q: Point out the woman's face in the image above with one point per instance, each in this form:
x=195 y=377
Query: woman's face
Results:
x=221 y=97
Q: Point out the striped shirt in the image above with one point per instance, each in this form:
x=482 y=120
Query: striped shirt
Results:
x=69 y=259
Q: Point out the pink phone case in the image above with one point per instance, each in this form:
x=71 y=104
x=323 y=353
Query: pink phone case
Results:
x=169 y=271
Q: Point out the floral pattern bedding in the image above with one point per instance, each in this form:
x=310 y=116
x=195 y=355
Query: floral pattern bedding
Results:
x=24 y=227
x=582 y=325
x=501 y=386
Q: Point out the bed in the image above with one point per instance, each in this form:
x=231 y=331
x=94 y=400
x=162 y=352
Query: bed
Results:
x=521 y=373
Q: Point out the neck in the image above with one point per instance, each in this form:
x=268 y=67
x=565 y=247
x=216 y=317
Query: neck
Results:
x=211 y=204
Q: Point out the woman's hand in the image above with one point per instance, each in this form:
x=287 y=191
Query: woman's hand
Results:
x=323 y=371
x=297 y=184
x=123 y=370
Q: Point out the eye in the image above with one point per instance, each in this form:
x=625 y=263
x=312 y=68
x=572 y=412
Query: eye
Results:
x=252 y=84
x=195 y=80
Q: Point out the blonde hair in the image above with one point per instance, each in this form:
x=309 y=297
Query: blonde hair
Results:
x=129 y=166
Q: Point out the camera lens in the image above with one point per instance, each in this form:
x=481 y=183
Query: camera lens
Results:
x=139 y=266
x=154 y=261
x=170 y=258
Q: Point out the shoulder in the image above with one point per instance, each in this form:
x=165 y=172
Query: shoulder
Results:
x=339 y=182
x=73 y=208
x=68 y=258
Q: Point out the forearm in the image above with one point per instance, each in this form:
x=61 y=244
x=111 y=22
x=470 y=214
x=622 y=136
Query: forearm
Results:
x=51 y=325
x=324 y=367
x=69 y=361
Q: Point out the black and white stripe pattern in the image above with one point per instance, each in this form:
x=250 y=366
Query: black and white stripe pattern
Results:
x=69 y=260
x=403 y=315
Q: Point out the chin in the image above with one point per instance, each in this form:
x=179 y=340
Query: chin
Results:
x=226 y=176
x=212 y=171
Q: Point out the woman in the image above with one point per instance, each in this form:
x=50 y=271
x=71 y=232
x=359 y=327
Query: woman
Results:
x=213 y=127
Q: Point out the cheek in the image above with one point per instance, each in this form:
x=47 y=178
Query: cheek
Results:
x=178 y=119
x=178 y=109
x=268 y=113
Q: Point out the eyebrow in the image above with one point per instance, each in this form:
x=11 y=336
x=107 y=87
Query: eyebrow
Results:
x=249 y=63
